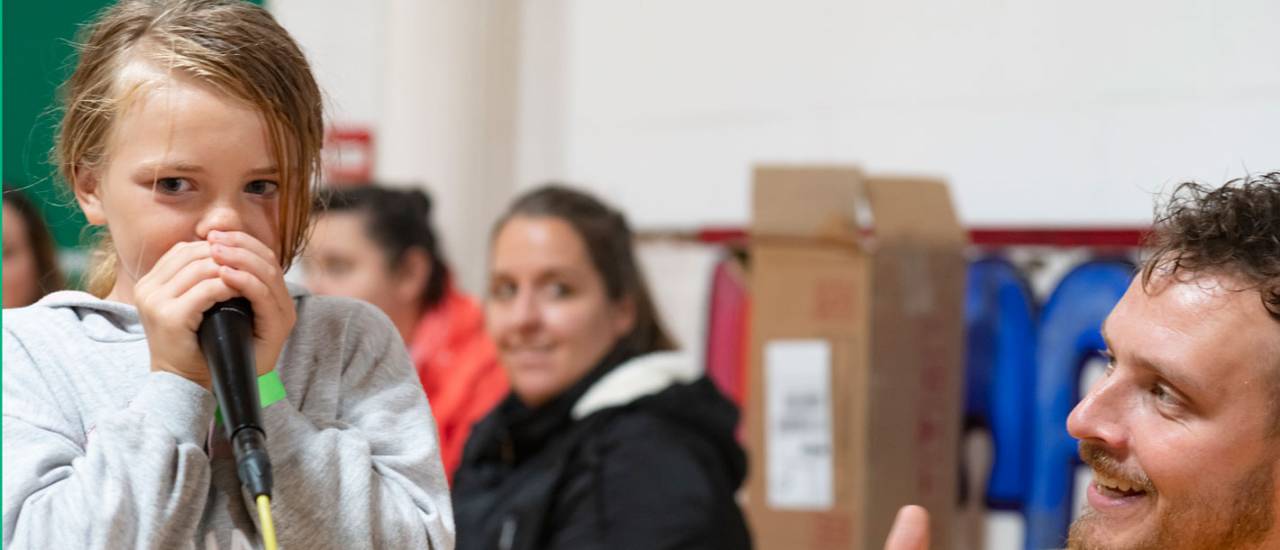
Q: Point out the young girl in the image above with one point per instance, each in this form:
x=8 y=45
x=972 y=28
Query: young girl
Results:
x=191 y=133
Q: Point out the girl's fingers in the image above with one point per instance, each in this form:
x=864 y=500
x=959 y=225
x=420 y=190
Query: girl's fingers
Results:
x=244 y=240
x=192 y=304
x=252 y=269
x=268 y=269
x=187 y=277
x=246 y=260
x=268 y=274
x=250 y=287
x=189 y=262
x=173 y=261
x=266 y=307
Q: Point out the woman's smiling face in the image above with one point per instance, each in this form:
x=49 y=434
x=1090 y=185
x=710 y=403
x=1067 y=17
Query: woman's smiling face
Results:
x=547 y=309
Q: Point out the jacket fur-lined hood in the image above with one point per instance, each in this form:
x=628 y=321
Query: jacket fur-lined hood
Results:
x=639 y=377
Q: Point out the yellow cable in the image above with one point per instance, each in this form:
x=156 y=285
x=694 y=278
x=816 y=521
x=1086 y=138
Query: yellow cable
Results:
x=264 y=518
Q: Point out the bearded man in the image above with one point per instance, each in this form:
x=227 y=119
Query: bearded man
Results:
x=1183 y=432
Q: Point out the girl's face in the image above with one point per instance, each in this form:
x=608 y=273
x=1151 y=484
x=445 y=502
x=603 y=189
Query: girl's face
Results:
x=182 y=160
x=342 y=260
x=547 y=310
x=21 y=277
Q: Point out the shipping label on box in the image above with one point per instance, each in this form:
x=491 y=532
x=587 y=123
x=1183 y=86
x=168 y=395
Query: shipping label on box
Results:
x=798 y=409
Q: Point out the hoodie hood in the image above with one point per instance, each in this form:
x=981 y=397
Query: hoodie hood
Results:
x=108 y=321
x=592 y=459
x=671 y=385
x=639 y=377
x=667 y=385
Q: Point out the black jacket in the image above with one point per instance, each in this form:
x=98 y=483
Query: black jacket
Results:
x=630 y=457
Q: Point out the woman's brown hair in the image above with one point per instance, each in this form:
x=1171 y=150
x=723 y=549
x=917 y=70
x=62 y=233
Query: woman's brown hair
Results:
x=235 y=48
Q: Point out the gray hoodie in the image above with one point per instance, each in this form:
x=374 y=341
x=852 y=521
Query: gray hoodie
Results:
x=100 y=452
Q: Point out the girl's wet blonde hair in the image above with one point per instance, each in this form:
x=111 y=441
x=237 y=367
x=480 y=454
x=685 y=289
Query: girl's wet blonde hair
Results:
x=231 y=46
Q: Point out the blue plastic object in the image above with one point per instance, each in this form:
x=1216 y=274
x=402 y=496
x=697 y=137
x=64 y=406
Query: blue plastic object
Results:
x=1000 y=374
x=1070 y=326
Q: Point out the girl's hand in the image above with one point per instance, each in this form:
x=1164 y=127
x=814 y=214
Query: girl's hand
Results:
x=190 y=278
x=171 y=300
x=251 y=269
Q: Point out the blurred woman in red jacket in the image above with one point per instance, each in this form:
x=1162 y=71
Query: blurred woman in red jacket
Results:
x=377 y=244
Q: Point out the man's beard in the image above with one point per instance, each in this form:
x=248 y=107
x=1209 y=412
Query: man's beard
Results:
x=1208 y=523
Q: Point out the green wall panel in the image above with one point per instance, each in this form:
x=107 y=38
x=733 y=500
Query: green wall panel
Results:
x=38 y=56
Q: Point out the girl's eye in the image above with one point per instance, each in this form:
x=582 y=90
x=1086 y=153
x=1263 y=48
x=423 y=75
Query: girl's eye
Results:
x=336 y=267
x=173 y=185
x=261 y=187
x=502 y=291
x=558 y=290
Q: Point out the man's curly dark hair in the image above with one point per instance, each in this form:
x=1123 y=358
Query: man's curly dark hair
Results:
x=1234 y=229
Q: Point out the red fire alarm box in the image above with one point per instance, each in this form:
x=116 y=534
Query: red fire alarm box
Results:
x=348 y=155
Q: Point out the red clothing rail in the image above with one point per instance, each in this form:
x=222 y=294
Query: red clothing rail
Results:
x=997 y=236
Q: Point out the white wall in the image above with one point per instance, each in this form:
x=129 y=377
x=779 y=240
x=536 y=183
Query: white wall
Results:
x=345 y=42
x=449 y=122
x=1041 y=113
x=435 y=81
x=1037 y=112
x=1045 y=113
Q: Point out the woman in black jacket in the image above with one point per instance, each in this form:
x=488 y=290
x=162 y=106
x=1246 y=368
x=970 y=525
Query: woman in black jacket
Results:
x=609 y=439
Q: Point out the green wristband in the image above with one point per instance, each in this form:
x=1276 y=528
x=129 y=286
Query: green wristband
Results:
x=270 y=390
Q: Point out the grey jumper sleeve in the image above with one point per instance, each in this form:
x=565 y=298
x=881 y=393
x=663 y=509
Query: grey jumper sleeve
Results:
x=138 y=479
x=372 y=476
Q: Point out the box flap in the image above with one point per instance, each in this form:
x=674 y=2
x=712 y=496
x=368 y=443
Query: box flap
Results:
x=840 y=203
x=907 y=208
x=807 y=202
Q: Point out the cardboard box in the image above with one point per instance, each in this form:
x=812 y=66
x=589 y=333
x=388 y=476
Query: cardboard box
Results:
x=856 y=356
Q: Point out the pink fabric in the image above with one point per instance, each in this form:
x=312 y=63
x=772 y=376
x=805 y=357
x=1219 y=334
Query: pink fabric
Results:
x=459 y=369
x=727 y=331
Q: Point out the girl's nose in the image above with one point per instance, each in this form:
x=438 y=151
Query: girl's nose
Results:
x=524 y=311
x=219 y=218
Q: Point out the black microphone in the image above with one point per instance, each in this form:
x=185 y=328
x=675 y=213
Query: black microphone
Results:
x=226 y=338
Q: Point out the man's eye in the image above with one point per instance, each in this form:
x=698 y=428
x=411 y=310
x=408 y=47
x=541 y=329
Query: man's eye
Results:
x=262 y=187
x=1163 y=394
x=173 y=185
x=1111 y=362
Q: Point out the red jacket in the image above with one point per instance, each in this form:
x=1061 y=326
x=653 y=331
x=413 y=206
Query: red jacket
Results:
x=459 y=369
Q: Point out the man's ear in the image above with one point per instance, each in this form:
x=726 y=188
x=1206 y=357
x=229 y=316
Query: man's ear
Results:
x=88 y=188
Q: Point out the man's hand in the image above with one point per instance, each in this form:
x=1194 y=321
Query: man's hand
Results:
x=910 y=530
